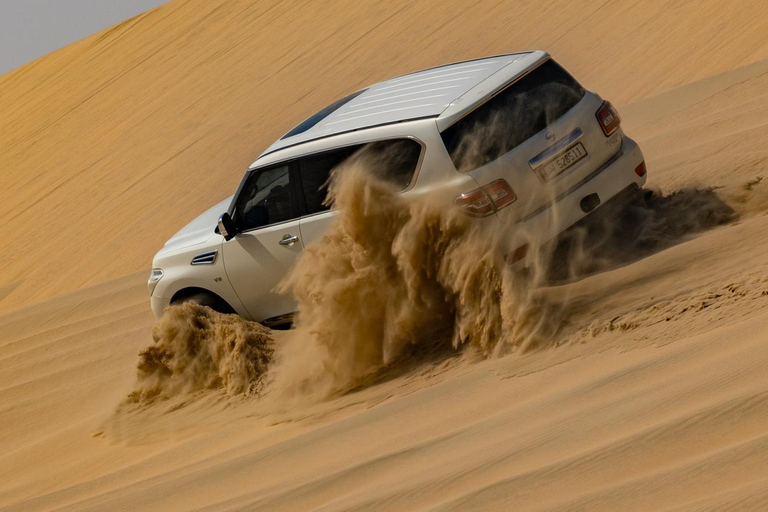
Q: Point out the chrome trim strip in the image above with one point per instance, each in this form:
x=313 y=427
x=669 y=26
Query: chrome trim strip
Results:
x=572 y=189
x=205 y=258
x=552 y=151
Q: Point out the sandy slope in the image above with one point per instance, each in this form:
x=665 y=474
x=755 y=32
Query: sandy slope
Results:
x=652 y=396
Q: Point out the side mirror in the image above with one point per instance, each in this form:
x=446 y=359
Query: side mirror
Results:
x=227 y=226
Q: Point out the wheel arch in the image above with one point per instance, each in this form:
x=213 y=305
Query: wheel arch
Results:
x=204 y=297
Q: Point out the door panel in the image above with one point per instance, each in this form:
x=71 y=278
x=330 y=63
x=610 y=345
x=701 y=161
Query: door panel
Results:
x=393 y=160
x=256 y=262
x=314 y=227
x=266 y=214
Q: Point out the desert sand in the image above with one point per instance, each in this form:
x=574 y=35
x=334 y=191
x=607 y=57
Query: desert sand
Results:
x=652 y=393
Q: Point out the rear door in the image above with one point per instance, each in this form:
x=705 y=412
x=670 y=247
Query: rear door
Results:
x=314 y=172
x=267 y=215
x=540 y=134
x=393 y=160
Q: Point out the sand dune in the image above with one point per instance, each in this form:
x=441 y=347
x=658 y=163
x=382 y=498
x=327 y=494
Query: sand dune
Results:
x=650 y=395
x=190 y=93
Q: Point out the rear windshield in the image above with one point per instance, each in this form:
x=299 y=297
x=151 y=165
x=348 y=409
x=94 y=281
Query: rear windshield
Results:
x=511 y=117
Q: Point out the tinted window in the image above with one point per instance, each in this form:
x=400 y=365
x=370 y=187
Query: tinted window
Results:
x=393 y=160
x=266 y=199
x=511 y=117
x=315 y=171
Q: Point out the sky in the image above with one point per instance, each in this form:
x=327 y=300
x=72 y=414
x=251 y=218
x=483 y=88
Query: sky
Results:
x=32 y=28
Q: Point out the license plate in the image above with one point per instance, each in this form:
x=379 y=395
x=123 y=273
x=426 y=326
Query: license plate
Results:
x=562 y=161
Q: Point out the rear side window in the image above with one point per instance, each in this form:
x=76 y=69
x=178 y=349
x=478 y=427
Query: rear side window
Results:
x=513 y=116
x=393 y=160
x=315 y=171
x=267 y=198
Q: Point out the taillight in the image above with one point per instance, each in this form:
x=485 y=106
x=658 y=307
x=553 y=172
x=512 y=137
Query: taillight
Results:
x=640 y=169
x=608 y=118
x=501 y=193
x=488 y=199
x=475 y=203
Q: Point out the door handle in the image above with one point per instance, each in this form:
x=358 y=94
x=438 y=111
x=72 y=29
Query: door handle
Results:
x=288 y=240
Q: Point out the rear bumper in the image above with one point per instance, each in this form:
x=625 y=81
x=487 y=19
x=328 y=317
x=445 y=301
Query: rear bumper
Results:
x=605 y=183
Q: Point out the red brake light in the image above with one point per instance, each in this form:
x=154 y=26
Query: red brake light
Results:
x=608 y=118
x=640 y=169
x=488 y=199
x=475 y=203
x=500 y=193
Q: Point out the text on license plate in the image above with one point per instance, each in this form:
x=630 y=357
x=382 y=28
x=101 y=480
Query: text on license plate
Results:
x=563 y=161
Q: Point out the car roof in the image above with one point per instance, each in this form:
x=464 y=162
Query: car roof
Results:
x=422 y=94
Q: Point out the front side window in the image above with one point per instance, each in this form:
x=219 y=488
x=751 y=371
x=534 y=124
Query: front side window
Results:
x=514 y=115
x=266 y=198
x=393 y=160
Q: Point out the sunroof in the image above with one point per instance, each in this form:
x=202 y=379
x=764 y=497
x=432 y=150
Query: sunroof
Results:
x=319 y=116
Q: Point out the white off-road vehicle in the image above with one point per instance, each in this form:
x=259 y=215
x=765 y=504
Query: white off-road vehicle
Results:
x=512 y=138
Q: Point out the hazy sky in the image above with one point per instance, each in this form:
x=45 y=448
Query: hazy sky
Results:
x=32 y=28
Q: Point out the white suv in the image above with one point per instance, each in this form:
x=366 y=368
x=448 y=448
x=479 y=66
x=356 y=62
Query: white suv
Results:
x=514 y=138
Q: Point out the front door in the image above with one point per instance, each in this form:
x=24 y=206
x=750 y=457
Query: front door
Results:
x=268 y=243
